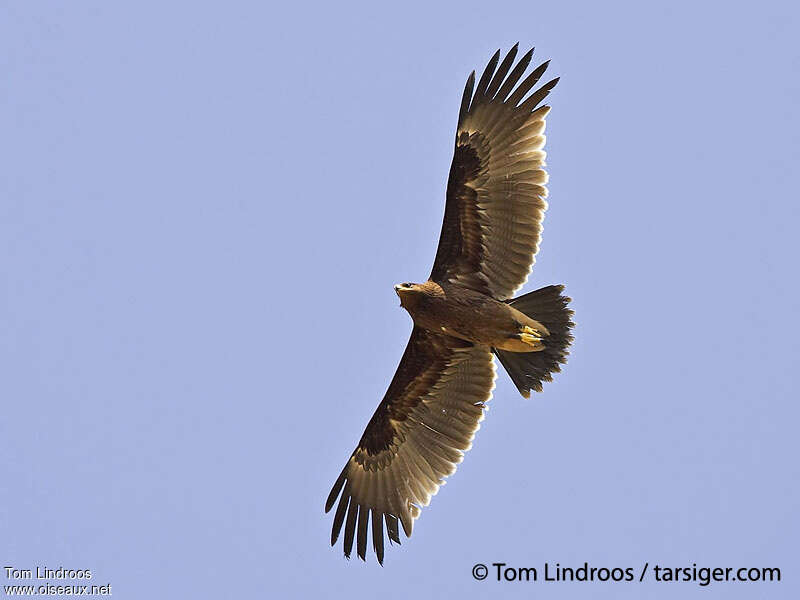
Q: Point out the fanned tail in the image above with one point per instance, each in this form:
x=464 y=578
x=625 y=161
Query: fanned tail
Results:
x=529 y=369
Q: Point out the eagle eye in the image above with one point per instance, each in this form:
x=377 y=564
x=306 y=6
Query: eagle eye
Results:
x=408 y=285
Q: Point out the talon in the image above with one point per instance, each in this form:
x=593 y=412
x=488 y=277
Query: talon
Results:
x=531 y=337
x=531 y=331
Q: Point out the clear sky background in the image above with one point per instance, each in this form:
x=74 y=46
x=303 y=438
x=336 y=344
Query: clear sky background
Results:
x=203 y=210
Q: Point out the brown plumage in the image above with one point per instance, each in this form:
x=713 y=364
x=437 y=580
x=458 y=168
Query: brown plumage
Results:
x=463 y=314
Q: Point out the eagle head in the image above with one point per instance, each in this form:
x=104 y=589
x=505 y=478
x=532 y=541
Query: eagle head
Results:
x=408 y=293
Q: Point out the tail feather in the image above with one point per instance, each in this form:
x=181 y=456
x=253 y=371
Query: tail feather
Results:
x=529 y=369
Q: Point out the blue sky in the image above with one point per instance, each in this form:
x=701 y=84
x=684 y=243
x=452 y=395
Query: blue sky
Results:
x=203 y=212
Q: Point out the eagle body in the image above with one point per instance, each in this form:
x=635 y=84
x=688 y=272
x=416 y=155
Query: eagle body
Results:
x=470 y=315
x=465 y=314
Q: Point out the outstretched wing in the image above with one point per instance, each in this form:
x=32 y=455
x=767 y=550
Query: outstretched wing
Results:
x=417 y=436
x=496 y=189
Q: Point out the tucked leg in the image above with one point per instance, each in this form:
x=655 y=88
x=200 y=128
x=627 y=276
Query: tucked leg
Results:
x=530 y=337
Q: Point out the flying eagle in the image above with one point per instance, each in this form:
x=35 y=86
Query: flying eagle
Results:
x=464 y=313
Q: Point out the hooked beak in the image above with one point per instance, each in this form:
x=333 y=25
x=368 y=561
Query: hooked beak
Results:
x=400 y=291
